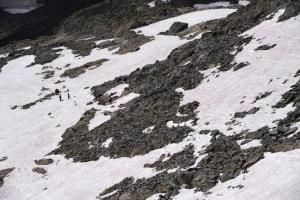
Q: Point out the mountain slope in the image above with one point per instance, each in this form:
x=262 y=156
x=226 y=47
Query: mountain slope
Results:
x=209 y=112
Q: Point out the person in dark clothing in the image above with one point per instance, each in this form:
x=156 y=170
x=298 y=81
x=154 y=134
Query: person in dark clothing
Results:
x=69 y=96
x=60 y=98
x=57 y=91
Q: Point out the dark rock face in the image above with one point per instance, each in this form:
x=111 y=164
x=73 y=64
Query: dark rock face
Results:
x=39 y=170
x=177 y=27
x=32 y=24
x=3 y=174
x=44 y=98
x=44 y=161
x=245 y=113
x=265 y=47
x=224 y=159
x=180 y=160
x=77 y=71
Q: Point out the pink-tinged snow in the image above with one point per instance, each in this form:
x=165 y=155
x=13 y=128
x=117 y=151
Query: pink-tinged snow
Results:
x=27 y=135
x=190 y=18
x=276 y=177
x=222 y=94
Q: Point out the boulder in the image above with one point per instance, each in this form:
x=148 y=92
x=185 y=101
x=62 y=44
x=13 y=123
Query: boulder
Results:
x=177 y=27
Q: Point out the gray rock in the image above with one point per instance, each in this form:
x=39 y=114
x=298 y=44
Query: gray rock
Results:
x=274 y=132
x=39 y=170
x=177 y=27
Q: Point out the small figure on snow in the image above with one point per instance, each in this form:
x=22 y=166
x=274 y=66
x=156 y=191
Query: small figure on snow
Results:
x=57 y=91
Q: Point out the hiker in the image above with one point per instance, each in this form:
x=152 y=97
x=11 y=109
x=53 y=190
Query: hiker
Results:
x=60 y=98
x=57 y=91
x=69 y=95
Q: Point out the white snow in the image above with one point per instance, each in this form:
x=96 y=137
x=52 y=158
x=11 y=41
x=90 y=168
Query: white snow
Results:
x=25 y=48
x=275 y=177
x=98 y=119
x=244 y=2
x=27 y=135
x=222 y=96
x=155 y=196
x=190 y=18
x=107 y=142
x=117 y=91
x=253 y=143
x=19 y=10
x=148 y=130
x=3 y=55
x=151 y=4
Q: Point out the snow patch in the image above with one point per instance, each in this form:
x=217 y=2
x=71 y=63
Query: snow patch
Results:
x=117 y=91
x=107 y=142
x=190 y=18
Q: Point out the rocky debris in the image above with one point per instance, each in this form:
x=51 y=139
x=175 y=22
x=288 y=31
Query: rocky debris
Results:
x=3 y=159
x=245 y=113
x=193 y=31
x=99 y=91
x=240 y=66
x=257 y=134
x=157 y=105
x=77 y=71
x=176 y=28
x=108 y=20
x=161 y=103
x=44 y=98
x=39 y=170
x=3 y=174
x=180 y=160
x=262 y=96
x=47 y=74
x=225 y=160
x=132 y=42
x=44 y=161
x=265 y=47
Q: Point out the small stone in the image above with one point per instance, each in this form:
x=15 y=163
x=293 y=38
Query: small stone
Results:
x=44 y=161
x=282 y=129
x=291 y=131
x=274 y=132
x=39 y=170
